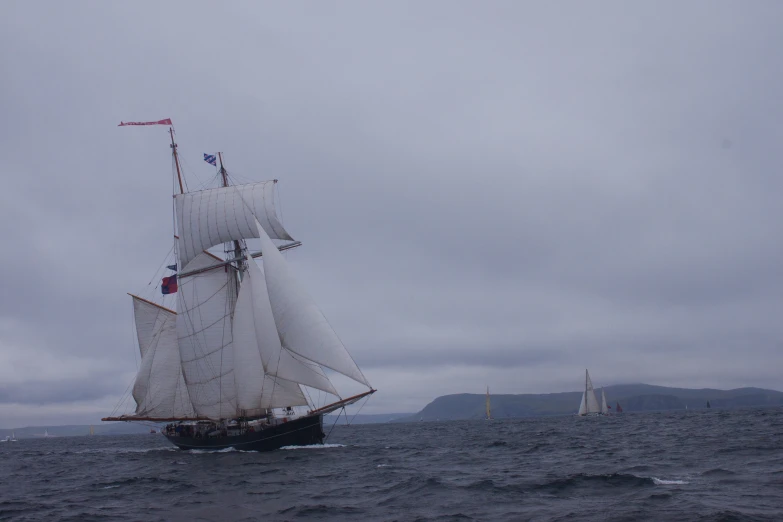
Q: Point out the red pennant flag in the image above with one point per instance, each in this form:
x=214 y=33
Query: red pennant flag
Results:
x=167 y=121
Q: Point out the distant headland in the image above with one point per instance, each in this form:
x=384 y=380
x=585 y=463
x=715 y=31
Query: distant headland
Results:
x=632 y=398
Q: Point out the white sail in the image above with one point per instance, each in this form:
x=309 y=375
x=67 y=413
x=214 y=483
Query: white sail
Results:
x=280 y=393
x=219 y=215
x=583 y=405
x=604 y=407
x=592 y=400
x=205 y=303
x=248 y=368
x=302 y=327
x=159 y=389
x=278 y=361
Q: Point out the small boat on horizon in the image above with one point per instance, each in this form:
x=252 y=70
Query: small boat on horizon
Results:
x=489 y=409
x=589 y=405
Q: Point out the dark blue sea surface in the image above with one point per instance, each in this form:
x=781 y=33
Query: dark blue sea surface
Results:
x=716 y=465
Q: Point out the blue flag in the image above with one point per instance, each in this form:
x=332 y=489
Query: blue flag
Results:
x=172 y=267
x=211 y=159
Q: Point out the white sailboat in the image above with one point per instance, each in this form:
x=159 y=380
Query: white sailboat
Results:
x=604 y=407
x=228 y=366
x=589 y=403
x=489 y=409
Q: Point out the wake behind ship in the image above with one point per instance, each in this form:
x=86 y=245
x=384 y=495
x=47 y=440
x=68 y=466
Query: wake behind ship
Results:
x=242 y=347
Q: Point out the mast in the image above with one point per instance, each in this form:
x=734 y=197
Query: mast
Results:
x=237 y=244
x=587 y=376
x=176 y=160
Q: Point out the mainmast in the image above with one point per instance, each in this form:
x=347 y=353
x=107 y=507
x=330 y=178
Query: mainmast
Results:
x=176 y=160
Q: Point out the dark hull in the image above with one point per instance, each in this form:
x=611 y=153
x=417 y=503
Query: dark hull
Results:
x=303 y=431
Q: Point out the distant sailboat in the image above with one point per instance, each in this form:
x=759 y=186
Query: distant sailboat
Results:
x=92 y=430
x=489 y=409
x=619 y=409
x=708 y=404
x=46 y=433
x=589 y=404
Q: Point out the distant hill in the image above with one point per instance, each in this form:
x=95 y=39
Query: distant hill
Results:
x=632 y=397
x=376 y=418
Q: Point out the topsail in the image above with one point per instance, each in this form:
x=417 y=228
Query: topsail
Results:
x=219 y=215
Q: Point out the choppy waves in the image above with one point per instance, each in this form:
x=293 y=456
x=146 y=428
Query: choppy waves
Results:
x=702 y=466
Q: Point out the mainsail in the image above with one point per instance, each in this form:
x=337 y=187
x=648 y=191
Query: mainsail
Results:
x=589 y=403
x=159 y=389
x=604 y=407
x=204 y=332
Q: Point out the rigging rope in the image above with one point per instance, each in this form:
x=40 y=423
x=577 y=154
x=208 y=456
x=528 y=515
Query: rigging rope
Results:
x=333 y=425
x=357 y=412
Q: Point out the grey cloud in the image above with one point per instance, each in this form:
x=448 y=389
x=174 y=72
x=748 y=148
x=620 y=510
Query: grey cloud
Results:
x=504 y=192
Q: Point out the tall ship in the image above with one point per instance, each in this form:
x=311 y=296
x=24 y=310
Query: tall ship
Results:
x=236 y=359
x=589 y=404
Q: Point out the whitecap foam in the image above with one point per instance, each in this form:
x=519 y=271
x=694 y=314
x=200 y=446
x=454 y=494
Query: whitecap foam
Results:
x=223 y=450
x=126 y=450
x=110 y=487
x=662 y=482
x=382 y=466
x=314 y=446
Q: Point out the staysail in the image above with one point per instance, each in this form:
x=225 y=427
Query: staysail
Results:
x=278 y=361
x=302 y=327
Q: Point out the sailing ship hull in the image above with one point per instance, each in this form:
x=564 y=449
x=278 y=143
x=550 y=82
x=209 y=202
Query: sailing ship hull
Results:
x=304 y=431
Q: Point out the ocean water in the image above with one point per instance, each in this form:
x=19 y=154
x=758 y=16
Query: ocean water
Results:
x=716 y=465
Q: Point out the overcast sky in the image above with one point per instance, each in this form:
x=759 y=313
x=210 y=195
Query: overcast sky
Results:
x=497 y=193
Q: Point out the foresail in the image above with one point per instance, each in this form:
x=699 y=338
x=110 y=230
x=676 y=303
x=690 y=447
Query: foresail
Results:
x=582 y=405
x=205 y=303
x=278 y=361
x=159 y=389
x=214 y=216
x=302 y=327
x=592 y=400
x=604 y=407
